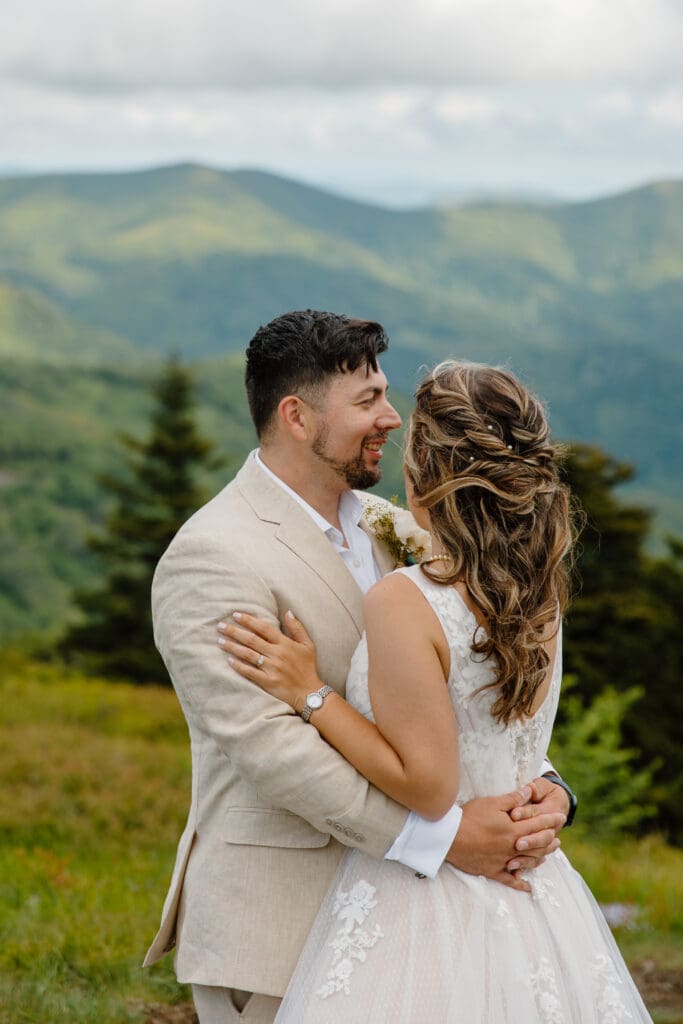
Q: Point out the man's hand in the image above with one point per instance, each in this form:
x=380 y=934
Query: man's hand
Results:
x=490 y=842
x=546 y=798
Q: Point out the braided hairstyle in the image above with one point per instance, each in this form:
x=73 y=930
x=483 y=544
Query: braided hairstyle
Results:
x=480 y=460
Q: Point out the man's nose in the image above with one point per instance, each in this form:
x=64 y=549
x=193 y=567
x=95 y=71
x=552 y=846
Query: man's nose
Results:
x=388 y=418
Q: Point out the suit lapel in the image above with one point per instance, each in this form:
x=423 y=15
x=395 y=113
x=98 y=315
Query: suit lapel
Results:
x=300 y=534
x=297 y=531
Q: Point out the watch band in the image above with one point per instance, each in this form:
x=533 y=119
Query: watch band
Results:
x=312 y=704
x=573 y=800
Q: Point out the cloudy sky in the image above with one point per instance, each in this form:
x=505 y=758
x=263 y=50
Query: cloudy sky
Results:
x=399 y=102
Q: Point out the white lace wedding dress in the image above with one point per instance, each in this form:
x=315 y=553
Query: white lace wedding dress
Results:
x=388 y=947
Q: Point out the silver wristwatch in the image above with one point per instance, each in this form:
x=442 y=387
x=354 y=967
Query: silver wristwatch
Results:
x=315 y=701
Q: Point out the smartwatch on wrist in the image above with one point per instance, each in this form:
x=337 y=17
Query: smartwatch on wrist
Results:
x=573 y=802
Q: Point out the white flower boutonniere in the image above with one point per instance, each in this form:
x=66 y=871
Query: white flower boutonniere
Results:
x=394 y=526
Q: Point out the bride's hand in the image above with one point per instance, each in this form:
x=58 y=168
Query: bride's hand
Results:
x=282 y=665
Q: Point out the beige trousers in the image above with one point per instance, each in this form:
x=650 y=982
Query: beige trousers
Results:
x=231 y=1006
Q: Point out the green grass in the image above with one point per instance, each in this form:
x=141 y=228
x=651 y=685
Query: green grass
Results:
x=94 y=789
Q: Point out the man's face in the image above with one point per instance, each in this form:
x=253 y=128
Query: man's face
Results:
x=354 y=420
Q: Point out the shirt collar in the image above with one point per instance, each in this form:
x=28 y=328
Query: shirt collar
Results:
x=350 y=505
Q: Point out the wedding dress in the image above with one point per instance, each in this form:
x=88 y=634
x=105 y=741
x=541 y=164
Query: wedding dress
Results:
x=389 y=947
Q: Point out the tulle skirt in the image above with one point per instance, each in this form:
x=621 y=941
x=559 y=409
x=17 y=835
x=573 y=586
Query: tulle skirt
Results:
x=390 y=947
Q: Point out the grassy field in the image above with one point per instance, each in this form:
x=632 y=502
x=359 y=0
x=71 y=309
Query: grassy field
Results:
x=94 y=788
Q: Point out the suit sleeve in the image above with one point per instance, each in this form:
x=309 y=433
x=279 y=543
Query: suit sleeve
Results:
x=285 y=759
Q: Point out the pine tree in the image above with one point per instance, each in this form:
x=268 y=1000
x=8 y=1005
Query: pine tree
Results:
x=158 y=492
x=625 y=625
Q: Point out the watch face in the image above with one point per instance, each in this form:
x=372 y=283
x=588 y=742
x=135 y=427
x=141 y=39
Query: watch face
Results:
x=314 y=700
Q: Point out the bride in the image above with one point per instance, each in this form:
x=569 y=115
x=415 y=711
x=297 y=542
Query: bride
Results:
x=451 y=695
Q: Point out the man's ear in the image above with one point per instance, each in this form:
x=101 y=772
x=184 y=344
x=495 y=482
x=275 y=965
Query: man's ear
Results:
x=297 y=417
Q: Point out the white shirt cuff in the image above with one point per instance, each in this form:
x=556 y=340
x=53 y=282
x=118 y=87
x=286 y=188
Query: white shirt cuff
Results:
x=423 y=845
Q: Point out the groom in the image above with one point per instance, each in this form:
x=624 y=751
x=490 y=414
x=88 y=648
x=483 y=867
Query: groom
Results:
x=273 y=806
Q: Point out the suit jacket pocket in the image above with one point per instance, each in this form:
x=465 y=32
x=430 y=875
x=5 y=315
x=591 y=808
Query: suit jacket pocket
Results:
x=261 y=826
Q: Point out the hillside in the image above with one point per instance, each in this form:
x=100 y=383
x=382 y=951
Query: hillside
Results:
x=94 y=789
x=101 y=274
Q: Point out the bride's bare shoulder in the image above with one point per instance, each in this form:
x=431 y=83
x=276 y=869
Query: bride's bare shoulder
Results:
x=395 y=593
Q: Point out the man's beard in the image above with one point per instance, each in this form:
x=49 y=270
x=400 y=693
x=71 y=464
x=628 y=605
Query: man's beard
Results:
x=353 y=471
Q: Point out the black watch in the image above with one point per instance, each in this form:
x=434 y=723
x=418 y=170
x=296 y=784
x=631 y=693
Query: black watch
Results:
x=573 y=802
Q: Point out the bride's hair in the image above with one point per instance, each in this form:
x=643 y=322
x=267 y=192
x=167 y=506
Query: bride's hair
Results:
x=480 y=460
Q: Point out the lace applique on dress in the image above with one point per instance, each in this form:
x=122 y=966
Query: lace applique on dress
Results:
x=351 y=940
x=609 y=1002
x=503 y=916
x=541 y=888
x=546 y=993
x=525 y=736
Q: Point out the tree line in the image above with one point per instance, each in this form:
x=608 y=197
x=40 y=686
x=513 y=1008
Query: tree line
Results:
x=622 y=638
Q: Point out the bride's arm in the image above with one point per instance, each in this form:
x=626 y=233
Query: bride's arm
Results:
x=412 y=752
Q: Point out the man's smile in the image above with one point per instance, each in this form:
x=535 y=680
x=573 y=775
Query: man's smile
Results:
x=374 y=446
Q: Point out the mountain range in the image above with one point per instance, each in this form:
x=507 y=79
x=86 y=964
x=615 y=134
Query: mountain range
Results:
x=101 y=275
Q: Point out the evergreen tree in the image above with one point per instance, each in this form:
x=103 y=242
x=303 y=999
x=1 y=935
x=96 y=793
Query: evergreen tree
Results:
x=624 y=628
x=604 y=637
x=159 y=491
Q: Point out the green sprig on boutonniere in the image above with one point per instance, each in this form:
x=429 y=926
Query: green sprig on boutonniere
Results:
x=395 y=527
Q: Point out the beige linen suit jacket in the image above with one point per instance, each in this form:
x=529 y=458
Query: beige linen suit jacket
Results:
x=273 y=806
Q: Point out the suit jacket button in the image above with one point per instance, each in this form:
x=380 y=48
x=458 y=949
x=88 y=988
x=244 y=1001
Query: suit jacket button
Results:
x=359 y=838
x=337 y=826
x=328 y=821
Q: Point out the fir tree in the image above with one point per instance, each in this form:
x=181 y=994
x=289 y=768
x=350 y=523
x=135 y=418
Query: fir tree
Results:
x=625 y=625
x=159 y=491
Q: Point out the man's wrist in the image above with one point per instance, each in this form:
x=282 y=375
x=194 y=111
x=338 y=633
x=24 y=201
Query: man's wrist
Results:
x=571 y=795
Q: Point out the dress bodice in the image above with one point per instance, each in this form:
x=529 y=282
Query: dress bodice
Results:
x=494 y=758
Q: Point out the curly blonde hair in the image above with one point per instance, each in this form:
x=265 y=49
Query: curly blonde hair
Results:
x=480 y=460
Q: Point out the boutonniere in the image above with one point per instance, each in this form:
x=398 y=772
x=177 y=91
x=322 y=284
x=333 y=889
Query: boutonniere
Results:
x=394 y=526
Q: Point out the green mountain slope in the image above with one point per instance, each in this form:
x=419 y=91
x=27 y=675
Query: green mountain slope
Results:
x=101 y=274
x=59 y=432
x=34 y=328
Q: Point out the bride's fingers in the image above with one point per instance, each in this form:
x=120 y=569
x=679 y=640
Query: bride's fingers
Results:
x=248 y=670
x=245 y=654
x=246 y=637
x=266 y=630
x=296 y=628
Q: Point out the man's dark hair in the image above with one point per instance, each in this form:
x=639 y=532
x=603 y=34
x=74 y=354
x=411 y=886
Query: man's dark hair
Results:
x=298 y=353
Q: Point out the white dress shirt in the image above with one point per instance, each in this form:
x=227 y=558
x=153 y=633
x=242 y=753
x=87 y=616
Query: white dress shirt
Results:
x=421 y=844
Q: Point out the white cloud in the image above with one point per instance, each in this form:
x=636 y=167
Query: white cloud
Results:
x=465 y=108
x=667 y=108
x=338 y=44
x=379 y=98
x=616 y=103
